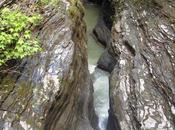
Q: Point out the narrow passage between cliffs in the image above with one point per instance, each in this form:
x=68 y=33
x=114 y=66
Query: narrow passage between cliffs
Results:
x=99 y=77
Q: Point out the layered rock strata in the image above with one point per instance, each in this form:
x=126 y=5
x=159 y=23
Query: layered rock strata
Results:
x=51 y=90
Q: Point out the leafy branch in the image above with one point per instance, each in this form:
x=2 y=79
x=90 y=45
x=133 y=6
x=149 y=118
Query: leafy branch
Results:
x=16 y=39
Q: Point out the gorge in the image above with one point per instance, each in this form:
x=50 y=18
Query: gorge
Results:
x=99 y=77
x=109 y=65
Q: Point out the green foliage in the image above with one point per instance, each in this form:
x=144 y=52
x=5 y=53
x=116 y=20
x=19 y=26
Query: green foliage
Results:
x=16 y=40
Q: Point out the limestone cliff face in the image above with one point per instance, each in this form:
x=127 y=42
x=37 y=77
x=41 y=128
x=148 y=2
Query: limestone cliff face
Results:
x=51 y=90
x=142 y=86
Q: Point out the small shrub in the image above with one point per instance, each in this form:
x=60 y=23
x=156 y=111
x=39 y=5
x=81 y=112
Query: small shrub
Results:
x=16 y=40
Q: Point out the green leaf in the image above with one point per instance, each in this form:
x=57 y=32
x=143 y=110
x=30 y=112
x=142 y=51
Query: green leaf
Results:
x=16 y=40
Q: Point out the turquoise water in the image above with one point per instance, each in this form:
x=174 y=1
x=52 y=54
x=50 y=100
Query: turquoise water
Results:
x=94 y=49
x=100 y=78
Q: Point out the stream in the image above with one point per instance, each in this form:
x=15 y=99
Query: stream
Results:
x=99 y=77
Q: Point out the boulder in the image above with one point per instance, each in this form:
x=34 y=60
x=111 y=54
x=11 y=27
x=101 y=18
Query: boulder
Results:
x=102 y=33
x=106 y=62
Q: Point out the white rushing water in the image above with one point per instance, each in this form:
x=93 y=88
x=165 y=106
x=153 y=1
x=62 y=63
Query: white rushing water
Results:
x=101 y=96
x=100 y=78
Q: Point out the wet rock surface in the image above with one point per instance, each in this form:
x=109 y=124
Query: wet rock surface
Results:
x=102 y=33
x=51 y=90
x=107 y=62
x=142 y=88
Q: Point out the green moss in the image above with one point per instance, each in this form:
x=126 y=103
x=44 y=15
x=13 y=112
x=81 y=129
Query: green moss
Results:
x=75 y=10
x=142 y=2
x=49 y=2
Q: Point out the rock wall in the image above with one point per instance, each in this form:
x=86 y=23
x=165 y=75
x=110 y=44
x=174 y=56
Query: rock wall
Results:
x=142 y=87
x=51 y=90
